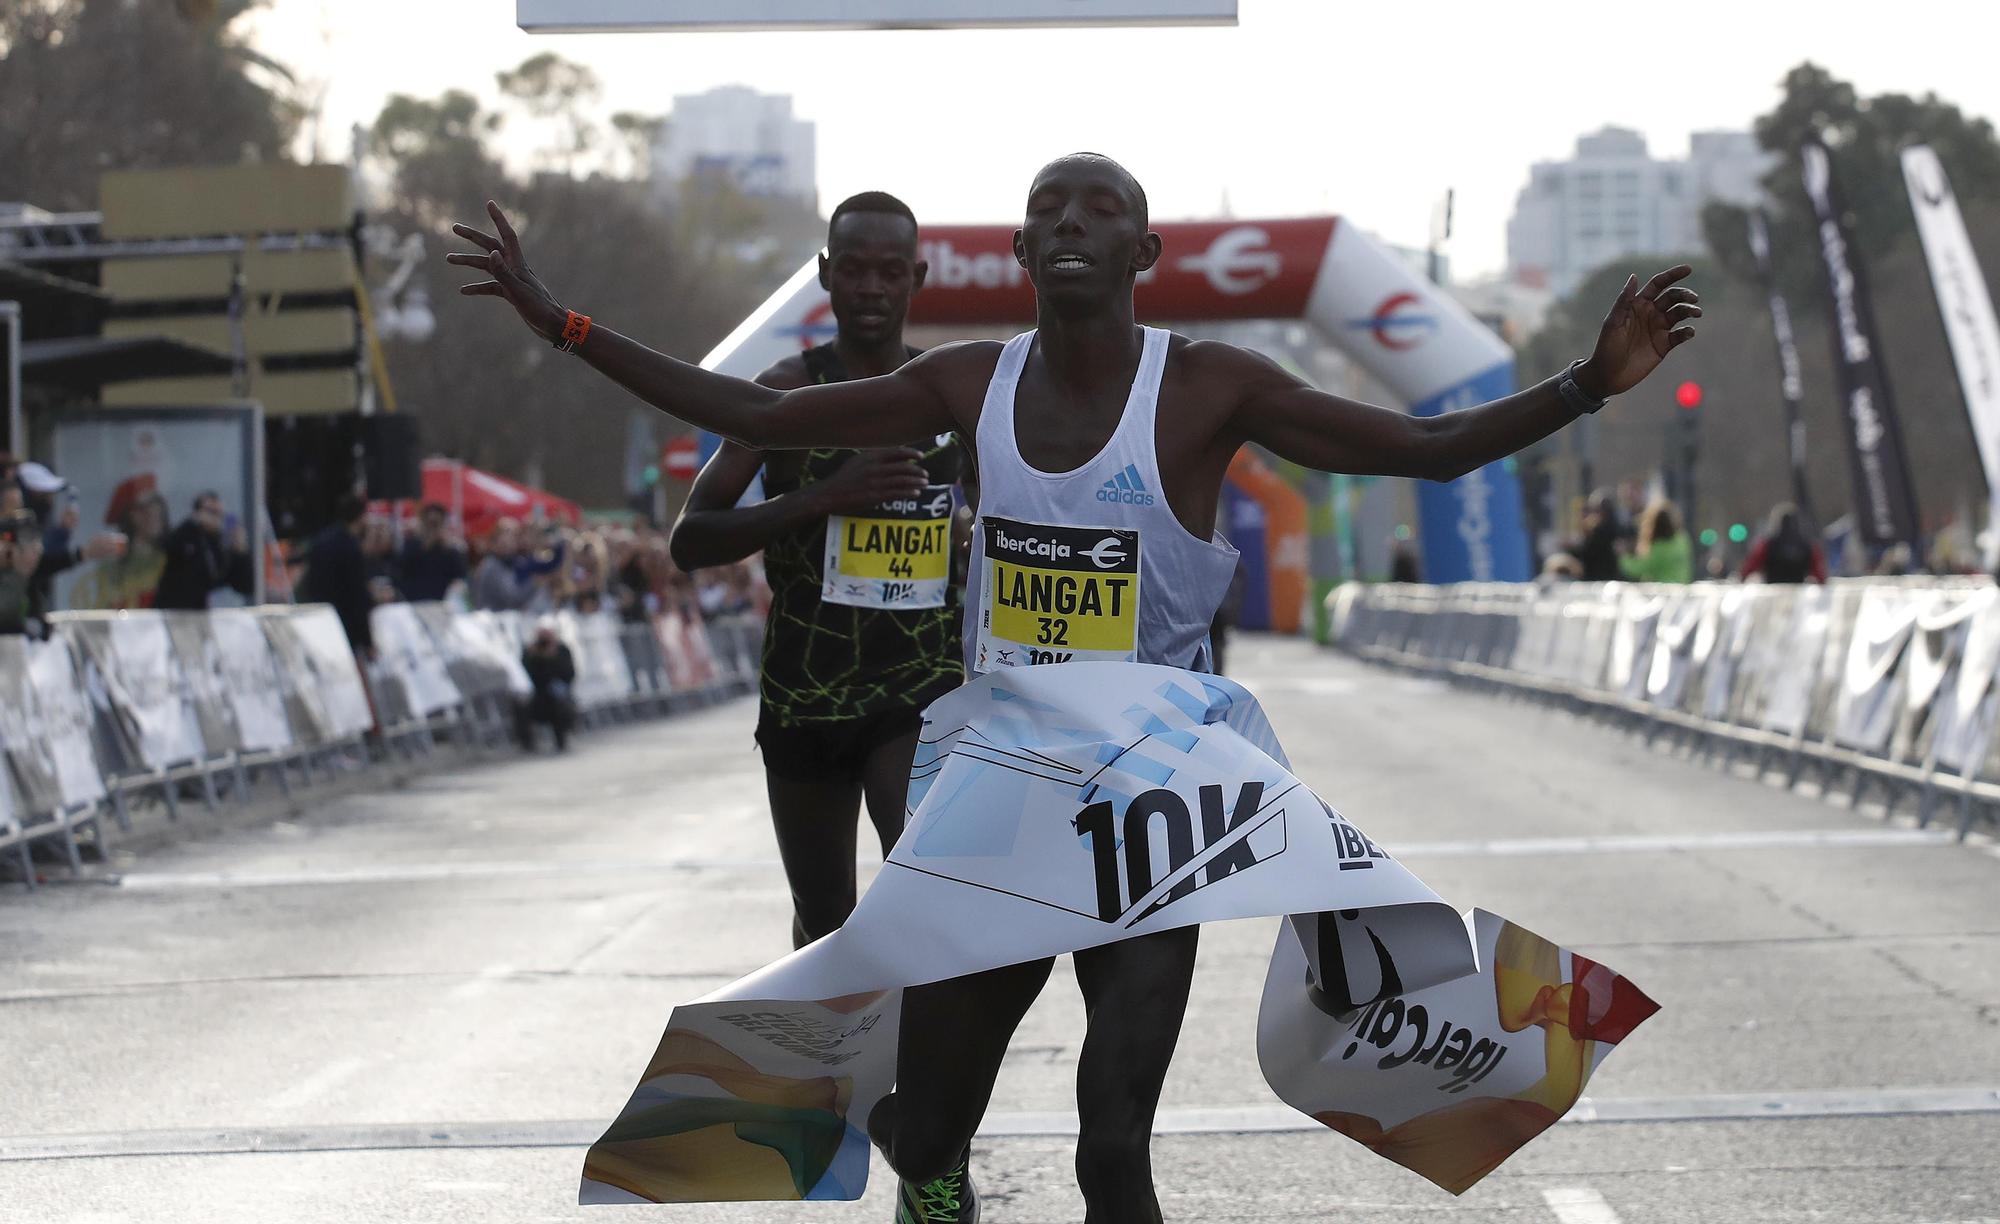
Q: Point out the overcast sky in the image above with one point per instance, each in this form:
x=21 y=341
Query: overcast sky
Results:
x=1370 y=110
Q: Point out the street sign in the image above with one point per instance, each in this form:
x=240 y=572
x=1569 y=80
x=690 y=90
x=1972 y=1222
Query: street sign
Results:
x=603 y=16
x=681 y=457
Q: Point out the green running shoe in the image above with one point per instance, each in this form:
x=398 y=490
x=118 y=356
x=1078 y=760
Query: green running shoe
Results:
x=948 y=1200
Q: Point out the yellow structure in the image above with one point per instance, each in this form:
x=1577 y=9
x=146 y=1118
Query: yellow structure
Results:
x=290 y=227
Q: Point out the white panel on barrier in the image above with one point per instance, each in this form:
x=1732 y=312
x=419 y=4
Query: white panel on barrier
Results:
x=1967 y=725
x=247 y=674
x=1789 y=697
x=408 y=655
x=1674 y=640
x=1866 y=708
x=149 y=700
x=1637 y=615
x=65 y=723
x=23 y=731
x=319 y=665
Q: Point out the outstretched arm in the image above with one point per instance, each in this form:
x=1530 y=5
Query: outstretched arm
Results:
x=714 y=530
x=1333 y=434
x=880 y=411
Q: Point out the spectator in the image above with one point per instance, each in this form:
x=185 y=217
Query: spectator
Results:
x=1785 y=553
x=1597 y=551
x=552 y=671
x=1561 y=567
x=337 y=573
x=539 y=565
x=378 y=558
x=38 y=488
x=20 y=557
x=1896 y=561
x=633 y=586
x=587 y=573
x=1404 y=565
x=132 y=579
x=204 y=554
x=1664 y=552
x=433 y=560
x=10 y=484
x=495 y=585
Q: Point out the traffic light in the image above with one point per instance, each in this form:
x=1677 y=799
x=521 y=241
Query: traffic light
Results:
x=652 y=474
x=1738 y=533
x=1688 y=395
x=1708 y=537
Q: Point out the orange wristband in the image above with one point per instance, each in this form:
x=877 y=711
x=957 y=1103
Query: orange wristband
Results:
x=575 y=328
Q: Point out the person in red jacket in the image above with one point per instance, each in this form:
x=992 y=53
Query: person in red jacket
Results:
x=1785 y=553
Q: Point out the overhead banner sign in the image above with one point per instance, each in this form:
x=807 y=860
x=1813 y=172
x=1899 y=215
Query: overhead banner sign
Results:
x=1415 y=339
x=1885 y=503
x=1791 y=384
x=1967 y=307
x=599 y=16
x=1061 y=808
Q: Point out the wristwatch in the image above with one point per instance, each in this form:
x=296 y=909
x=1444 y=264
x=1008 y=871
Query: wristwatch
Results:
x=1579 y=400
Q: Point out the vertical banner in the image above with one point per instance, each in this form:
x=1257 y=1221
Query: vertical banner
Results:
x=1967 y=307
x=1885 y=504
x=1791 y=385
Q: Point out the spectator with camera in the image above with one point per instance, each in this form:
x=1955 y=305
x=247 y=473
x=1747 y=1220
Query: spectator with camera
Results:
x=208 y=552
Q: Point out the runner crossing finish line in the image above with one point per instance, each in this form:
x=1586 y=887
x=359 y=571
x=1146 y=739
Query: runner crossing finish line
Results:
x=1107 y=808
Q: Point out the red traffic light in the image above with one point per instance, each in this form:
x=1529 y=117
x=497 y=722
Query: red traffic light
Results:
x=1688 y=395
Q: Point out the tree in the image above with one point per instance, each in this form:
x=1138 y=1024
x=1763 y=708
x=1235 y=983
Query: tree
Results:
x=96 y=85
x=555 y=91
x=436 y=152
x=677 y=277
x=638 y=133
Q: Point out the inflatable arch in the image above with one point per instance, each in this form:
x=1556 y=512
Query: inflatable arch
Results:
x=1422 y=345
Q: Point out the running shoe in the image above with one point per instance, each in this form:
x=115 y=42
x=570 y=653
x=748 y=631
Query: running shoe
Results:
x=948 y=1200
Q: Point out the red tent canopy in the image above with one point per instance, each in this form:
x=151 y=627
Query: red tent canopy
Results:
x=479 y=499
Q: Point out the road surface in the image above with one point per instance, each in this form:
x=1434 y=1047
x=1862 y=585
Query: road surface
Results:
x=418 y=1004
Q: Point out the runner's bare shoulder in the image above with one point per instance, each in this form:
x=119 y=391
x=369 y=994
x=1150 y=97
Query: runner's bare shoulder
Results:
x=786 y=374
x=1214 y=377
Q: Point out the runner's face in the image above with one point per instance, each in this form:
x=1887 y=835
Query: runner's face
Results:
x=870 y=270
x=1084 y=237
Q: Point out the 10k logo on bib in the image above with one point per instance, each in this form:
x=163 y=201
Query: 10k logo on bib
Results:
x=1056 y=594
x=897 y=556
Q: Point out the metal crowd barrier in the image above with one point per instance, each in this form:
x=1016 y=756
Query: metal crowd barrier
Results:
x=118 y=708
x=1867 y=683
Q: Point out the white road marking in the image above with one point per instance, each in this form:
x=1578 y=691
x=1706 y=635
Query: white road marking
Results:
x=1579 y=1205
x=1226 y=1120
x=305 y=1091
x=1645 y=843
x=1640 y=843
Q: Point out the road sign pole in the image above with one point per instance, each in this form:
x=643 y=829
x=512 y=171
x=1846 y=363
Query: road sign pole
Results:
x=17 y=433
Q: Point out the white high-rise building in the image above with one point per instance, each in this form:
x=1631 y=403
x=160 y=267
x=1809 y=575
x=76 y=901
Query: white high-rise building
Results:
x=1614 y=199
x=750 y=138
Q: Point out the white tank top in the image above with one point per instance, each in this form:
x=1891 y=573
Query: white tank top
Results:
x=1090 y=563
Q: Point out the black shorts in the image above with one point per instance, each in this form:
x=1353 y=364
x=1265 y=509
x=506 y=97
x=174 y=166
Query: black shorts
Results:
x=830 y=751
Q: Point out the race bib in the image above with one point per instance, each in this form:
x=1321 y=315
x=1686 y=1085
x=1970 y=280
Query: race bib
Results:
x=897 y=556
x=1056 y=595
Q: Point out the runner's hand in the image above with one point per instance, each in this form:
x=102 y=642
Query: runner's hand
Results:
x=870 y=478
x=1645 y=324
x=501 y=258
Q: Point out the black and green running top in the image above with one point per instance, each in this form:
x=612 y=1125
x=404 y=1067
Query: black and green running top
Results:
x=829 y=662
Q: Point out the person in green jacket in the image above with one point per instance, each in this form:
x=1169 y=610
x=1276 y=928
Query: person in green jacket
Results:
x=1664 y=553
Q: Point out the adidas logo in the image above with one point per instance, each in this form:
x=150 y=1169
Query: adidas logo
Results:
x=1126 y=488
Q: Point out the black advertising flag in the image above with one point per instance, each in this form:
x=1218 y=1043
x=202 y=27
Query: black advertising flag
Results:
x=1791 y=384
x=1885 y=504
